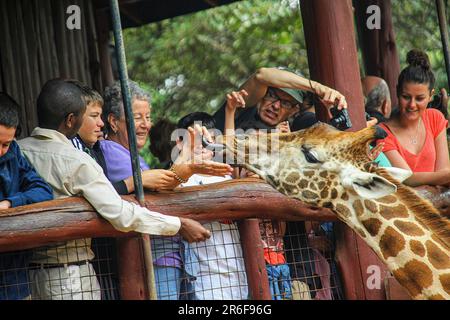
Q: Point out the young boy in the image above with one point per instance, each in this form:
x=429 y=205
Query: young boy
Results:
x=90 y=132
x=19 y=185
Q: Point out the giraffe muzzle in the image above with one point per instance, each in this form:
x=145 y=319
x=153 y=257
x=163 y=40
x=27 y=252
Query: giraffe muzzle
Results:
x=380 y=133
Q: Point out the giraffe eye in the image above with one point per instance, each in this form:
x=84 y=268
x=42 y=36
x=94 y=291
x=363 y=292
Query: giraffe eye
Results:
x=309 y=156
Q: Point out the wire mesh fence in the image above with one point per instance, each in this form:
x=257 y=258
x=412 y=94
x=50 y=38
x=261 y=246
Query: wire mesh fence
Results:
x=309 y=249
x=298 y=255
x=209 y=270
x=66 y=271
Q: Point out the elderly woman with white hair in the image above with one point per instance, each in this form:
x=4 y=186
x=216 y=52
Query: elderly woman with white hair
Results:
x=116 y=150
x=166 y=250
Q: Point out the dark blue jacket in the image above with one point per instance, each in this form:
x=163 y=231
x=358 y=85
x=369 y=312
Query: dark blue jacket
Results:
x=19 y=182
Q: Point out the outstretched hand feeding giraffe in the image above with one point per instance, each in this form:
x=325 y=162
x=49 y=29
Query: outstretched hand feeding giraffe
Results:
x=330 y=168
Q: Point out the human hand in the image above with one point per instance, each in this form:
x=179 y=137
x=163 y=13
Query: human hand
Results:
x=328 y=96
x=192 y=231
x=235 y=100
x=375 y=152
x=193 y=150
x=5 y=204
x=159 y=179
x=444 y=99
x=212 y=168
x=370 y=123
x=283 y=127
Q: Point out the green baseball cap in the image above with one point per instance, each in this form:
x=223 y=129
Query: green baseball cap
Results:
x=297 y=94
x=294 y=93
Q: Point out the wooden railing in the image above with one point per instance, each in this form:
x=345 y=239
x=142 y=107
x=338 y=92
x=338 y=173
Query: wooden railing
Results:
x=73 y=218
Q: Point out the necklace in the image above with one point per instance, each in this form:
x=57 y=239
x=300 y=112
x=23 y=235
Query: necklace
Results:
x=413 y=140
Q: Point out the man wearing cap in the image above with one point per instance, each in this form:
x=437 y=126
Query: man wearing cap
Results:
x=275 y=95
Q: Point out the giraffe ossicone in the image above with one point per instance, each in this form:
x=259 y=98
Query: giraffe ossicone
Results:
x=331 y=168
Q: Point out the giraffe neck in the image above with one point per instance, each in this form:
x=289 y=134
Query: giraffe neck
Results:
x=417 y=258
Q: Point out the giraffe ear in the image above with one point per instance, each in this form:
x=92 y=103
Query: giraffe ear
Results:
x=399 y=173
x=368 y=185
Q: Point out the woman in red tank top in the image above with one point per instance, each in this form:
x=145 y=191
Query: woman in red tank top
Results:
x=417 y=137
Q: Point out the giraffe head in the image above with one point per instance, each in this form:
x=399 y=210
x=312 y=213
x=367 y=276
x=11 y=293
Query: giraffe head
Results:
x=315 y=165
x=330 y=168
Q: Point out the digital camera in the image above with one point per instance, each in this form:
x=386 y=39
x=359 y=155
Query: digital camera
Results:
x=436 y=102
x=340 y=119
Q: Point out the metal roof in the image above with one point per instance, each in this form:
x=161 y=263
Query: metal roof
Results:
x=135 y=13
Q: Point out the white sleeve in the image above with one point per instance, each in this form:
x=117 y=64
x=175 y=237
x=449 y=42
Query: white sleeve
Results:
x=89 y=180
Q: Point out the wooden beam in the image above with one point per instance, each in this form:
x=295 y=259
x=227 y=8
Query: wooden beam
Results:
x=73 y=218
x=378 y=47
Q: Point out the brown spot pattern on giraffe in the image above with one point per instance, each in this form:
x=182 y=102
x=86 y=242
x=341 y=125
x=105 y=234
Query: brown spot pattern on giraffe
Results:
x=399 y=211
x=303 y=184
x=417 y=247
x=414 y=276
x=334 y=193
x=309 y=195
x=343 y=210
x=438 y=258
x=445 y=281
x=308 y=173
x=409 y=228
x=391 y=243
x=293 y=177
x=345 y=196
x=360 y=231
x=371 y=206
x=324 y=193
x=289 y=188
x=357 y=205
x=313 y=186
x=372 y=225
x=387 y=199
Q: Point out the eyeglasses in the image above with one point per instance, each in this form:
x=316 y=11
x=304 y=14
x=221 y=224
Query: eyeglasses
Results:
x=141 y=118
x=272 y=97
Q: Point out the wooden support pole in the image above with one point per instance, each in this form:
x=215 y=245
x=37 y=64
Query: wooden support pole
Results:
x=255 y=265
x=378 y=47
x=131 y=272
x=103 y=26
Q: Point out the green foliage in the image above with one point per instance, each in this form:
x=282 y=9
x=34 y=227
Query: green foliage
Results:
x=416 y=25
x=192 y=61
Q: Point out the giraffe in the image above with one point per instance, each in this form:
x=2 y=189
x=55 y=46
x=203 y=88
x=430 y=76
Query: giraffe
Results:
x=330 y=168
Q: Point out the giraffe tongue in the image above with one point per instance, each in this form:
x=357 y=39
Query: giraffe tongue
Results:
x=217 y=147
x=211 y=146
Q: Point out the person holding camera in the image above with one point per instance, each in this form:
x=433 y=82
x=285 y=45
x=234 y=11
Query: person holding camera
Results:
x=416 y=137
x=440 y=102
x=275 y=95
